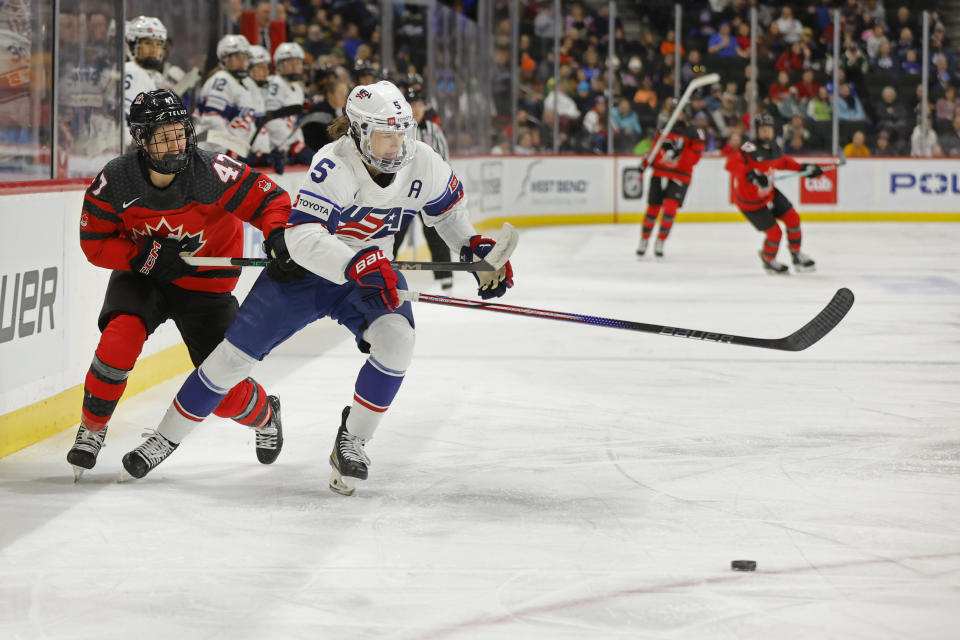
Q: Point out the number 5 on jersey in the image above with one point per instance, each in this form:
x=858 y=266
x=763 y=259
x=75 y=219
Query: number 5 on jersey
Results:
x=319 y=173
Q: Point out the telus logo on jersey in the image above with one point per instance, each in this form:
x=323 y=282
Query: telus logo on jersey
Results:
x=934 y=184
x=28 y=291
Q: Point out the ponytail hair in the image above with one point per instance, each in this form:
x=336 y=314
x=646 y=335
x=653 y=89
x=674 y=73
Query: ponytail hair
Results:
x=338 y=128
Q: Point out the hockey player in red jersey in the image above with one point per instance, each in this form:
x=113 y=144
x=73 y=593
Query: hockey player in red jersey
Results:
x=672 y=169
x=143 y=211
x=761 y=202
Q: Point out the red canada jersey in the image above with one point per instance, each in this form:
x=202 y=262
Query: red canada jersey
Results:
x=690 y=142
x=750 y=157
x=206 y=204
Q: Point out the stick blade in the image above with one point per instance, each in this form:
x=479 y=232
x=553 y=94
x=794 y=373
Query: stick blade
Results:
x=506 y=239
x=822 y=324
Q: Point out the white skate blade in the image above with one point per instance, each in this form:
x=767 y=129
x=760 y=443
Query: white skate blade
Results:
x=506 y=239
x=800 y=269
x=77 y=473
x=344 y=485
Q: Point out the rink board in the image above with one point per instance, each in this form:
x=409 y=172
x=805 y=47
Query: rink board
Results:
x=51 y=295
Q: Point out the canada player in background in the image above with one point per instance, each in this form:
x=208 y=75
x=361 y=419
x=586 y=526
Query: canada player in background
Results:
x=333 y=260
x=681 y=150
x=142 y=211
x=762 y=203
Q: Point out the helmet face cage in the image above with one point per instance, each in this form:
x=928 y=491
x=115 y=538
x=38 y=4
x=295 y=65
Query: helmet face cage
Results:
x=163 y=131
x=287 y=51
x=230 y=45
x=381 y=108
x=141 y=28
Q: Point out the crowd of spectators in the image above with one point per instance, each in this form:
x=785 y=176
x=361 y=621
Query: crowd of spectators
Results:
x=878 y=94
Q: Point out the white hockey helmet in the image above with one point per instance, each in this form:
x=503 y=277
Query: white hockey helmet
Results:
x=287 y=50
x=259 y=55
x=144 y=27
x=380 y=108
x=231 y=44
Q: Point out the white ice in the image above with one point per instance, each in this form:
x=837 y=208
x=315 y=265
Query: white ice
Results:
x=539 y=479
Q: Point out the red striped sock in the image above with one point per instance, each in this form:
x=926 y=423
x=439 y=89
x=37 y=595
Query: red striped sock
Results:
x=120 y=345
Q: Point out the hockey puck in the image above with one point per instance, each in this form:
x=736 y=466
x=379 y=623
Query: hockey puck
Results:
x=743 y=565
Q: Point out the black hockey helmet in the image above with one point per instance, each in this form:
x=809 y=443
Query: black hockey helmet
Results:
x=152 y=110
x=765 y=120
x=414 y=93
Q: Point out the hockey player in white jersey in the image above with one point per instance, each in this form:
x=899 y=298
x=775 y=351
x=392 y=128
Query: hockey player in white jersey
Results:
x=226 y=107
x=333 y=260
x=284 y=89
x=256 y=84
x=146 y=38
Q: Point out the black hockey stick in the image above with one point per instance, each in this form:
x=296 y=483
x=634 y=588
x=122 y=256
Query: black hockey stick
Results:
x=211 y=261
x=810 y=333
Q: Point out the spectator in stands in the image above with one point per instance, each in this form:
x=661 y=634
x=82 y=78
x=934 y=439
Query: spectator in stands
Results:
x=891 y=114
x=903 y=20
x=626 y=127
x=779 y=89
x=946 y=108
x=693 y=68
x=733 y=143
x=633 y=75
x=819 y=108
x=848 y=105
x=792 y=59
x=722 y=43
x=796 y=127
x=791 y=104
x=885 y=61
x=857 y=147
x=920 y=146
x=873 y=39
x=795 y=145
x=910 y=64
x=727 y=116
x=883 y=147
x=668 y=45
x=854 y=64
x=595 y=124
x=645 y=94
x=905 y=42
x=950 y=141
x=525 y=146
x=942 y=76
x=714 y=97
x=789 y=27
x=808 y=85
x=711 y=139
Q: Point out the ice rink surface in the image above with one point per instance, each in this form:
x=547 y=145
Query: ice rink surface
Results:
x=538 y=479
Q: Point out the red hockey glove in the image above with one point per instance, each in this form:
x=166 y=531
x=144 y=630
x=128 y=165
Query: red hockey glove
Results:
x=376 y=279
x=492 y=284
x=159 y=258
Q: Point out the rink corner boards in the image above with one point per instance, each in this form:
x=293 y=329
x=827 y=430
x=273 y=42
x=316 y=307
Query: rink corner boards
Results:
x=33 y=423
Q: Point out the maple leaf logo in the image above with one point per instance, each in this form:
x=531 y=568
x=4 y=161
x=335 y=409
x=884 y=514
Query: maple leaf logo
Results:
x=191 y=242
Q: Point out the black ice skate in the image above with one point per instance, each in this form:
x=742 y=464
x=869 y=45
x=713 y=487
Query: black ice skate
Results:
x=83 y=455
x=658 y=248
x=773 y=267
x=148 y=455
x=348 y=459
x=270 y=436
x=642 y=247
x=802 y=262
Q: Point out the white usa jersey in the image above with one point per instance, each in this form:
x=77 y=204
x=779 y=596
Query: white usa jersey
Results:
x=279 y=92
x=225 y=104
x=136 y=80
x=340 y=210
x=256 y=96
